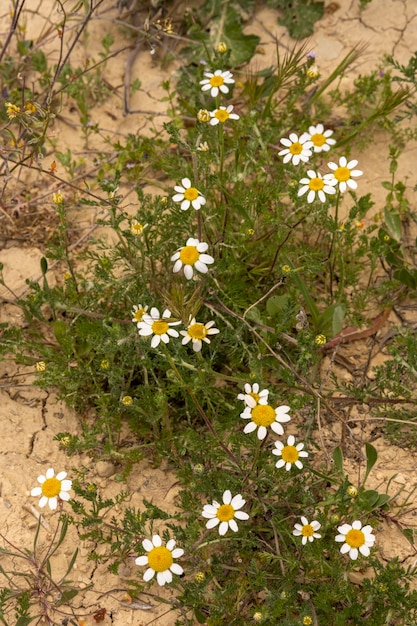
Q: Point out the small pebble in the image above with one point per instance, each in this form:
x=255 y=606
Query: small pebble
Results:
x=105 y=469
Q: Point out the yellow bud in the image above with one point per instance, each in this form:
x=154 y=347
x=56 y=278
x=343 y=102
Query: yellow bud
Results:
x=11 y=110
x=30 y=108
x=203 y=147
x=127 y=400
x=57 y=198
x=40 y=366
x=313 y=71
x=203 y=116
x=136 y=228
x=320 y=340
x=221 y=47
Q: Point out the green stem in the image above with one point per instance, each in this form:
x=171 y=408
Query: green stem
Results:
x=333 y=245
x=196 y=183
x=201 y=411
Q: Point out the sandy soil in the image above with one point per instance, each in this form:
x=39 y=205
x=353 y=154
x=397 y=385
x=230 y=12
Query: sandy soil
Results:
x=30 y=417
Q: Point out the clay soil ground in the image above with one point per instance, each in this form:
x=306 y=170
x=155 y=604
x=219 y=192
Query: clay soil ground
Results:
x=30 y=418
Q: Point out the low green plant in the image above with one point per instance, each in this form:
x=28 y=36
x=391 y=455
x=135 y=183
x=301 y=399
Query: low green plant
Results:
x=239 y=274
x=31 y=592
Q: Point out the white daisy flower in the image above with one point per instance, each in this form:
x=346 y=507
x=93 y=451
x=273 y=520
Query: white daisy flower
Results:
x=188 y=195
x=197 y=333
x=253 y=396
x=159 y=327
x=356 y=539
x=222 y=114
x=225 y=514
x=262 y=416
x=316 y=184
x=307 y=530
x=160 y=560
x=296 y=148
x=52 y=488
x=343 y=173
x=138 y=312
x=190 y=256
x=321 y=139
x=290 y=454
x=217 y=82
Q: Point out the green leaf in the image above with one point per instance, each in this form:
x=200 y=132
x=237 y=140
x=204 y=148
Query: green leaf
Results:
x=277 y=304
x=338 y=317
x=375 y=500
x=64 y=157
x=200 y=616
x=24 y=620
x=406 y=277
x=24 y=46
x=383 y=499
x=371 y=496
x=312 y=308
x=338 y=459
x=227 y=27
x=371 y=459
x=387 y=185
x=66 y=596
x=44 y=265
x=393 y=224
x=62 y=335
x=331 y=320
x=39 y=62
x=300 y=16
x=409 y=534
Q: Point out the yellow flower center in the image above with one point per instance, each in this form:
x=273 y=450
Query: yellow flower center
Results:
x=263 y=415
x=255 y=396
x=225 y=512
x=296 y=148
x=316 y=184
x=355 y=538
x=307 y=530
x=318 y=139
x=290 y=454
x=138 y=315
x=191 y=194
x=160 y=559
x=189 y=255
x=51 y=487
x=342 y=174
x=216 y=81
x=159 y=327
x=222 y=115
x=197 y=331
